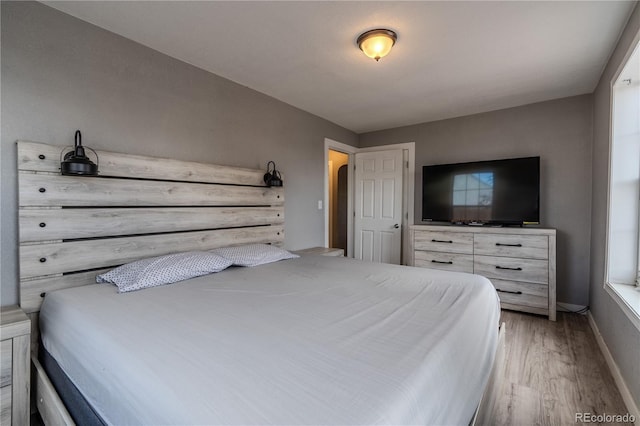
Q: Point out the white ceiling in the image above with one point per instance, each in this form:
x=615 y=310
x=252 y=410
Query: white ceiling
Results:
x=451 y=58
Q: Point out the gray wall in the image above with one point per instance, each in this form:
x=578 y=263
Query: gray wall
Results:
x=559 y=132
x=60 y=74
x=622 y=338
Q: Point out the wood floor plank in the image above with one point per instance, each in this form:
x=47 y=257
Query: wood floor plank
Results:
x=592 y=373
x=524 y=403
x=553 y=371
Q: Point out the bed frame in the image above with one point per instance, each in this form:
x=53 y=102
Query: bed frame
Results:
x=72 y=228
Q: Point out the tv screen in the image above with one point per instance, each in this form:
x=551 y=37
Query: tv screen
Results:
x=503 y=192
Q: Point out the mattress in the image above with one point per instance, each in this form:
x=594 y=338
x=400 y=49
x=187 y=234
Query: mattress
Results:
x=313 y=340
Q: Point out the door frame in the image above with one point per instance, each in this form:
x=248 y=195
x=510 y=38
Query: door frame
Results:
x=408 y=189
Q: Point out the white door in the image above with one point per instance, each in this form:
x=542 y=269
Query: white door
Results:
x=378 y=206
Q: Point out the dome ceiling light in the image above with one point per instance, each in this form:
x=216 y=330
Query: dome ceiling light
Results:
x=377 y=43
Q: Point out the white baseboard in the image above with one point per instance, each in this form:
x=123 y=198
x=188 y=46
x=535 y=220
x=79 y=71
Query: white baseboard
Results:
x=615 y=371
x=569 y=307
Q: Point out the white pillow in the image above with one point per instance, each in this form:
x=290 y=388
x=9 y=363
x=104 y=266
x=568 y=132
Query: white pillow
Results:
x=162 y=270
x=254 y=254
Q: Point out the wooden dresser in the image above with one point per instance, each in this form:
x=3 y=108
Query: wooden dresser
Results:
x=520 y=262
x=15 y=342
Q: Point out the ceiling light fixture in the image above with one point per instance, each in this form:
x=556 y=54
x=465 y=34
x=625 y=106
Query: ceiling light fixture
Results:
x=377 y=43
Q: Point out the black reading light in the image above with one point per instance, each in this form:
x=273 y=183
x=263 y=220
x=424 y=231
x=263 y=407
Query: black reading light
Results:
x=76 y=162
x=272 y=177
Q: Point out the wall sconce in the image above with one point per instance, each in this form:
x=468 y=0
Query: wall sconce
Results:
x=76 y=162
x=377 y=43
x=272 y=177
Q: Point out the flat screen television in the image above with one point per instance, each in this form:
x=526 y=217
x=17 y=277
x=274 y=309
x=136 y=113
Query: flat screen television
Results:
x=498 y=192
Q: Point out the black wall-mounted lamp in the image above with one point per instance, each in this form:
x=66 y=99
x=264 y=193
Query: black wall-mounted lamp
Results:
x=272 y=177
x=76 y=162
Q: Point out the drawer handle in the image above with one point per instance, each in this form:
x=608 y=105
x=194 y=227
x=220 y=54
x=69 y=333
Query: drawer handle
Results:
x=509 y=245
x=508 y=269
x=445 y=263
x=442 y=241
x=508 y=291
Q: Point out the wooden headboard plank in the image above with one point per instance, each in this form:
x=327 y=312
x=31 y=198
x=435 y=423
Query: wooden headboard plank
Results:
x=126 y=165
x=32 y=291
x=54 y=258
x=56 y=190
x=45 y=224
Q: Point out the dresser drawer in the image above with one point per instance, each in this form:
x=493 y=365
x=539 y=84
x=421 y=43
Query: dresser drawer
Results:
x=5 y=405
x=5 y=362
x=512 y=268
x=448 y=242
x=522 y=294
x=526 y=246
x=445 y=261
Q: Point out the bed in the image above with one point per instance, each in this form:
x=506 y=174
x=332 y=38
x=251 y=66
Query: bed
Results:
x=309 y=340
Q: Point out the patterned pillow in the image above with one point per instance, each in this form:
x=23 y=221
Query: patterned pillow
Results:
x=162 y=270
x=254 y=254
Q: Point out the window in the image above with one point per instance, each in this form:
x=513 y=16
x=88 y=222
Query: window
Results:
x=623 y=234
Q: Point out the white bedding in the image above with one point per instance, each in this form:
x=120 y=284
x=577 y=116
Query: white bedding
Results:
x=314 y=340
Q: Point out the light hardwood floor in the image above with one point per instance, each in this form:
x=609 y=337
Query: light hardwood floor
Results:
x=553 y=371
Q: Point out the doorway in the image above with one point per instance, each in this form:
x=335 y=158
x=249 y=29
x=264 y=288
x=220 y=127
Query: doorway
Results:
x=408 y=181
x=338 y=167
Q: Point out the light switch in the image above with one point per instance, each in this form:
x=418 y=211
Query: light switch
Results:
x=319 y=204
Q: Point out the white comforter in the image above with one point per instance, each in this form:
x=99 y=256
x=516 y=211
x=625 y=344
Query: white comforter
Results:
x=314 y=340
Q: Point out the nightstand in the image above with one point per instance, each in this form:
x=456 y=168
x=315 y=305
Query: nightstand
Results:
x=15 y=347
x=323 y=251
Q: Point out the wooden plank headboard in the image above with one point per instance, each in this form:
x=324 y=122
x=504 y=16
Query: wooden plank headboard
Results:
x=72 y=228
